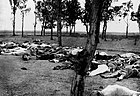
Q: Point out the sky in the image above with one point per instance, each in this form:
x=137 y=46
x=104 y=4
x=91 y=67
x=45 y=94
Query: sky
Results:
x=6 y=18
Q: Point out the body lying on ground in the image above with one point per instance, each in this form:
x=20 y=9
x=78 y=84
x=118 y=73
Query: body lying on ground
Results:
x=115 y=90
x=127 y=72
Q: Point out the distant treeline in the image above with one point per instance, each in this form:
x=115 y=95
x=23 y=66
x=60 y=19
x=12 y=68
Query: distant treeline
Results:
x=77 y=34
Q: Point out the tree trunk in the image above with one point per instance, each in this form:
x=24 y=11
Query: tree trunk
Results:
x=104 y=30
x=87 y=28
x=78 y=84
x=127 y=31
x=70 y=27
x=42 y=29
x=67 y=28
x=138 y=21
x=92 y=41
x=14 y=13
x=139 y=28
x=22 y=23
x=74 y=28
x=44 y=33
x=127 y=25
x=52 y=30
x=59 y=23
x=35 y=25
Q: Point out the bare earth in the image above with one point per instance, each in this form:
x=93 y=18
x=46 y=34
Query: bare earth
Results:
x=41 y=80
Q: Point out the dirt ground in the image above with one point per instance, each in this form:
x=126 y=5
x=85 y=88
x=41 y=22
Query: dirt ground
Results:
x=39 y=79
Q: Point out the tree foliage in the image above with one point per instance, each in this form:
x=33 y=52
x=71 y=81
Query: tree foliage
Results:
x=85 y=16
x=126 y=9
x=13 y=4
x=46 y=12
x=71 y=12
x=21 y=4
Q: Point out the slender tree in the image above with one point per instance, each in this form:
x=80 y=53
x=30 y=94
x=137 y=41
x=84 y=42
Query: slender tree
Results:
x=35 y=22
x=127 y=7
x=22 y=6
x=86 y=14
x=46 y=12
x=107 y=14
x=135 y=16
x=138 y=17
x=41 y=12
x=72 y=12
x=59 y=22
x=52 y=16
x=138 y=21
x=13 y=4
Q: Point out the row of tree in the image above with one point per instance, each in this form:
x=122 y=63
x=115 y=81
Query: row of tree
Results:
x=68 y=11
x=46 y=11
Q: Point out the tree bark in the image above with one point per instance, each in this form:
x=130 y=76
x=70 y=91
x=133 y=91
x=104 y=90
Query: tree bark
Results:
x=35 y=25
x=14 y=13
x=87 y=28
x=92 y=41
x=70 y=27
x=42 y=29
x=74 y=28
x=78 y=84
x=127 y=31
x=59 y=23
x=44 y=33
x=22 y=23
x=93 y=36
x=127 y=25
x=52 y=30
x=67 y=28
x=104 y=30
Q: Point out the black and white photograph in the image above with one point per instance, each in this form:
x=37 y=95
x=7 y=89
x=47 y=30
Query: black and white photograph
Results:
x=70 y=48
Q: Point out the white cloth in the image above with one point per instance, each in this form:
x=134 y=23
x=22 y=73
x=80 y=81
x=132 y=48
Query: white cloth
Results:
x=15 y=51
x=129 y=55
x=117 y=90
x=101 y=69
x=75 y=51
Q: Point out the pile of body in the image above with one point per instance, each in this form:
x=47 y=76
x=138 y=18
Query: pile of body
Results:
x=39 y=49
x=119 y=66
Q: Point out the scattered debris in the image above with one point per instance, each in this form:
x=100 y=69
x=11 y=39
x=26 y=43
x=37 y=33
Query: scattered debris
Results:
x=23 y=68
